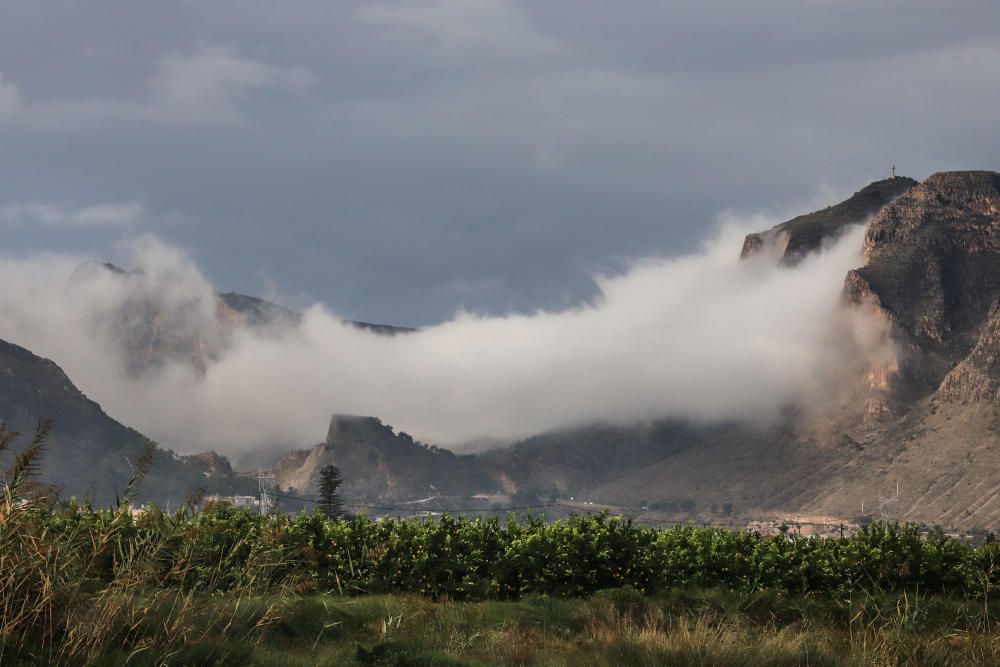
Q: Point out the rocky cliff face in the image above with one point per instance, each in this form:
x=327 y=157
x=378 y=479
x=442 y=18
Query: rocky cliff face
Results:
x=794 y=239
x=242 y=310
x=378 y=464
x=977 y=377
x=210 y=464
x=928 y=418
x=933 y=272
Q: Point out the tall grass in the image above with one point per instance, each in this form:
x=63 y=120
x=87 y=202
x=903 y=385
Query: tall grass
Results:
x=70 y=591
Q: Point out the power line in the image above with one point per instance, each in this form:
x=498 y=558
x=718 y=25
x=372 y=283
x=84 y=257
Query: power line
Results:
x=265 y=490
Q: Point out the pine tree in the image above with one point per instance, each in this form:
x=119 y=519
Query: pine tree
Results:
x=329 y=481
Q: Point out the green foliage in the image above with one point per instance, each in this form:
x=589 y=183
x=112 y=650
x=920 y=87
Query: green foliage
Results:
x=463 y=558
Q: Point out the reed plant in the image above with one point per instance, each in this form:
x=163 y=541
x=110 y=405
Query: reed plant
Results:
x=80 y=583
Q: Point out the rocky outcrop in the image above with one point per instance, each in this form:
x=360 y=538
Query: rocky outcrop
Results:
x=796 y=238
x=242 y=310
x=378 y=464
x=210 y=464
x=977 y=377
x=933 y=271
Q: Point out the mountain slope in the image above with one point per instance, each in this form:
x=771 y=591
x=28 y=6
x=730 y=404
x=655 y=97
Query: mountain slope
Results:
x=256 y=312
x=803 y=234
x=88 y=453
x=570 y=462
x=378 y=464
x=932 y=274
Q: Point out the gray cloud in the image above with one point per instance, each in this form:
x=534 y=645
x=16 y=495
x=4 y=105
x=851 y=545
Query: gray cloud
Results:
x=480 y=29
x=212 y=84
x=10 y=98
x=208 y=88
x=108 y=214
x=369 y=155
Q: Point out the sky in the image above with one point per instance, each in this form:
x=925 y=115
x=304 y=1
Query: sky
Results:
x=399 y=161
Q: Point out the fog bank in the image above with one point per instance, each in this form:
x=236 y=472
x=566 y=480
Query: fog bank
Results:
x=705 y=337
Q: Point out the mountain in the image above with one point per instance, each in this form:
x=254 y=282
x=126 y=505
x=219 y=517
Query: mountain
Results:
x=89 y=454
x=251 y=311
x=927 y=420
x=255 y=312
x=794 y=239
x=157 y=322
x=378 y=464
x=571 y=461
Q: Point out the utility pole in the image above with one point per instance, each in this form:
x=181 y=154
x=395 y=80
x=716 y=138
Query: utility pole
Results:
x=265 y=481
x=883 y=502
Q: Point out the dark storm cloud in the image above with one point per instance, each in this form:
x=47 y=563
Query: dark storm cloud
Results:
x=397 y=160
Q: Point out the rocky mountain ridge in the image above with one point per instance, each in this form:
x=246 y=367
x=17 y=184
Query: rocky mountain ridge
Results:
x=932 y=277
x=794 y=239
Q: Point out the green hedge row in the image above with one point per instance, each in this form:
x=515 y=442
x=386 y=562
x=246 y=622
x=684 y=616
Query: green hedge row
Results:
x=463 y=558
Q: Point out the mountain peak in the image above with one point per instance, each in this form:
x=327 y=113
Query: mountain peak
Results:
x=803 y=234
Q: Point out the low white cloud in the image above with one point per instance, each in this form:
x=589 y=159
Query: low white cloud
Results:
x=704 y=337
x=108 y=214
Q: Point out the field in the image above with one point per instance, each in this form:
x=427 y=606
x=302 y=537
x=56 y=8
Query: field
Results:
x=222 y=586
x=618 y=627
